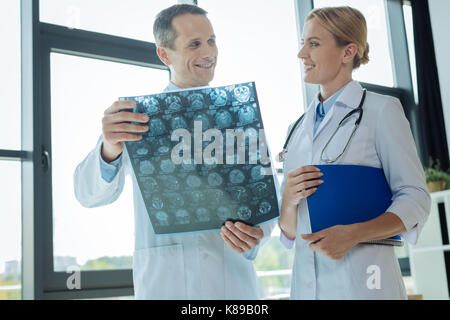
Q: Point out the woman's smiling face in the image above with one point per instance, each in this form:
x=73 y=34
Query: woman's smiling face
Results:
x=323 y=60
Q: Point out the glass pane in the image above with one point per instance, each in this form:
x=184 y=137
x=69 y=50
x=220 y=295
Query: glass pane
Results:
x=407 y=13
x=260 y=45
x=10 y=230
x=130 y=19
x=379 y=54
x=100 y=238
x=10 y=108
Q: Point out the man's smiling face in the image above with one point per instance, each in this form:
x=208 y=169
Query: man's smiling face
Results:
x=193 y=58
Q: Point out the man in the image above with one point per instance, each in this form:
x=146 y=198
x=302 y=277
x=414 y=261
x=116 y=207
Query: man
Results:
x=208 y=265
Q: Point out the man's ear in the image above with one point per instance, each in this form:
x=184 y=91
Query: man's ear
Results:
x=162 y=54
x=350 y=52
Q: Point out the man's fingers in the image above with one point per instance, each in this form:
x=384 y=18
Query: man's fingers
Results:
x=250 y=240
x=125 y=116
x=231 y=244
x=114 y=137
x=126 y=128
x=254 y=232
x=119 y=105
x=235 y=240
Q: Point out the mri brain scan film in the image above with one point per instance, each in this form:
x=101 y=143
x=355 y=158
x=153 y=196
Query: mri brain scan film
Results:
x=200 y=196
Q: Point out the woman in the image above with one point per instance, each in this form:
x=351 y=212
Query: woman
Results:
x=333 y=263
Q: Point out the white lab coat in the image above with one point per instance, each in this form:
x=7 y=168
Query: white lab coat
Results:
x=189 y=266
x=383 y=140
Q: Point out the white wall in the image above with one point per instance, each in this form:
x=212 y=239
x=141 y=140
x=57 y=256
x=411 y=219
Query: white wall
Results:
x=440 y=23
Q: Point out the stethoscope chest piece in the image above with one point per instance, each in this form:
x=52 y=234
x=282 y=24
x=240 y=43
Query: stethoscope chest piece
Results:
x=281 y=156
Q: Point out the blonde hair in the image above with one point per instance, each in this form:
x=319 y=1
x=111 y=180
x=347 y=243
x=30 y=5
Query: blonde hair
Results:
x=347 y=25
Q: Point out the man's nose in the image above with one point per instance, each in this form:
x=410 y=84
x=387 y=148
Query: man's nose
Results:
x=208 y=52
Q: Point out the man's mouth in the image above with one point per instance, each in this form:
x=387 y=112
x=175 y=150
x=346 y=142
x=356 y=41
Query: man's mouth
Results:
x=205 y=66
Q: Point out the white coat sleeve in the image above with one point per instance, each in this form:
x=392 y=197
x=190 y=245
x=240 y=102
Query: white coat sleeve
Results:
x=91 y=190
x=403 y=170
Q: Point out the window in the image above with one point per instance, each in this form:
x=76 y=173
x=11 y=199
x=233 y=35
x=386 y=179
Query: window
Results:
x=10 y=230
x=10 y=134
x=260 y=45
x=407 y=13
x=377 y=37
x=131 y=19
x=81 y=90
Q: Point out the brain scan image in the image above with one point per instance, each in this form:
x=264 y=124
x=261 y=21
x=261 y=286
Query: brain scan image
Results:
x=167 y=166
x=244 y=213
x=178 y=122
x=196 y=101
x=149 y=184
x=264 y=207
x=202 y=215
x=171 y=183
x=157 y=203
x=173 y=103
x=260 y=189
x=150 y=105
x=236 y=176
x=213 y=183
x=242 y=93
x=215 y=196
x=240 y=194
x=188 y=166
x=256 y=173
x=214 y=179
x=157 y=127
x=197 y=197
x=246 y=115
x=174 y=199
x=223 y=213
x=142 y=151
x=182 y=216
x=223 y=119
x=162 y=218
x=163 y=150
x=146 y=167
x=204 y=119
x=193 y=181
x=219 y=97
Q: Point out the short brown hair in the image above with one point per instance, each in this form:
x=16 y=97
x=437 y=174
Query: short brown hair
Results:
x=163 y=30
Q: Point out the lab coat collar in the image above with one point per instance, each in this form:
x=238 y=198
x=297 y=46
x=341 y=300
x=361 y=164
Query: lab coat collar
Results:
x=351 y=96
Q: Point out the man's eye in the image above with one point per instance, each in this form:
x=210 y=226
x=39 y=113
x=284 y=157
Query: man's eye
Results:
x=212 y=41
x=195 y=44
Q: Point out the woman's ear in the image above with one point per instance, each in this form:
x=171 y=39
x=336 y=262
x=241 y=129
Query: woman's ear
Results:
x=162 y=54
x=350 y=52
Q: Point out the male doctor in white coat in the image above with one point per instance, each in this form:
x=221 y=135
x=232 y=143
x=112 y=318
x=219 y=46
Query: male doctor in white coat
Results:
x=212 y=265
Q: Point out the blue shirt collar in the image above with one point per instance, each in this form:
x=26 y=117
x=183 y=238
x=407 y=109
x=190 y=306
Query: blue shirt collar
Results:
x=327 y=104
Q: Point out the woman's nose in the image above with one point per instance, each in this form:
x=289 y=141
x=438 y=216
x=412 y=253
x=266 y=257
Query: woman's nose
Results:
x=302 y=54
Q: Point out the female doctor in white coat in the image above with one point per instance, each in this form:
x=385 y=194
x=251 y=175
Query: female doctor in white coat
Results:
x=333 y=263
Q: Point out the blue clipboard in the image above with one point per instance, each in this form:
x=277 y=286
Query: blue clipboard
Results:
x=350 y=194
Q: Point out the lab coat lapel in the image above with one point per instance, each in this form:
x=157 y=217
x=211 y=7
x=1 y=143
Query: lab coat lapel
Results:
x=350 y=98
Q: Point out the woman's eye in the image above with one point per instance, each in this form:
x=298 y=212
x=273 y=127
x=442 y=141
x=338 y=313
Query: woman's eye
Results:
x=211 y=41
x=314 y=44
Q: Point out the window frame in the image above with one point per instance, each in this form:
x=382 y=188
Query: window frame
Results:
x=39 y=40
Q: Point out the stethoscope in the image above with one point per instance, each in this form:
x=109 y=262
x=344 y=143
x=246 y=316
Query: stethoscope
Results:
x=282 y=155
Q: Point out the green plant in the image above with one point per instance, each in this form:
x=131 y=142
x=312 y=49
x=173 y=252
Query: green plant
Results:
x=434 y=173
